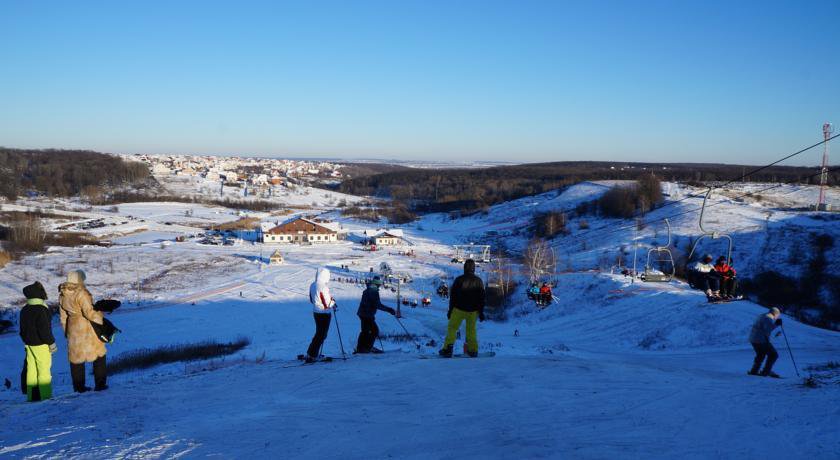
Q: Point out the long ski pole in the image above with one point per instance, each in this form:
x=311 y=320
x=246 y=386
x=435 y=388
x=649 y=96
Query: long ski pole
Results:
x=789 y=351
x=416 y=343
x=338 y=329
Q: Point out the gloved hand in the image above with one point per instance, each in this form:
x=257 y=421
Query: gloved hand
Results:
x=334 y=306
x=392 y=311
x=53 y=348
x=481 y=316
x=779 y=322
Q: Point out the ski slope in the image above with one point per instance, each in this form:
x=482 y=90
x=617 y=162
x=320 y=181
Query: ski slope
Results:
x=612 y=369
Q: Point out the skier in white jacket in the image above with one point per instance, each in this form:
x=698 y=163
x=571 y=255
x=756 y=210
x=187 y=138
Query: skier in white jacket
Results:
x=322 y=305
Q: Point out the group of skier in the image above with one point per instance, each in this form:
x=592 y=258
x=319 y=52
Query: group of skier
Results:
x=541 y=294
x=717 y=280
x=79 y=321
x=466 y=304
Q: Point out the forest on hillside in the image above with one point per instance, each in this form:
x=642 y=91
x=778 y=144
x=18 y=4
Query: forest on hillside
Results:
x=443 y=190
x=64 y=172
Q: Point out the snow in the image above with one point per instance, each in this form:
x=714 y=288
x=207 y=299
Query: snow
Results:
x=612 y=369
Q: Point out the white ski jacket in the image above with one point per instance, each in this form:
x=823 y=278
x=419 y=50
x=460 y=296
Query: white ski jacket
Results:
x=701 y=267
x=319 y=292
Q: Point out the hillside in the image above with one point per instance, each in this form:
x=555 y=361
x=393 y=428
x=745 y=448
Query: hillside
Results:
x=612 y=368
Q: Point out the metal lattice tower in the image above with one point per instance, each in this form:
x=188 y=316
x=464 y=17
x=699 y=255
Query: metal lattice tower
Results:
x=828 y=129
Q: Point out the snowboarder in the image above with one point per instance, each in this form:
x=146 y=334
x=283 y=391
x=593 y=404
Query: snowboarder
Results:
x=368 y=306
x=545 y=294
x=38 y=341
x=322 y=305
x=83 y=346
x=466 y=303
x=707 y=278
x=760 y=340
x=728 y=282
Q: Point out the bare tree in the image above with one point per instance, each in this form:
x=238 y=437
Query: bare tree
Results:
x=540 y=259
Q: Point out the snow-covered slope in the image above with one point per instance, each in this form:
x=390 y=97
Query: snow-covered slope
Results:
x=612 y=369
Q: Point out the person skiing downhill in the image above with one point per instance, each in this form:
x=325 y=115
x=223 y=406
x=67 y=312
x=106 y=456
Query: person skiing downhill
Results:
x=709 y=279
x=38 y=341
x=466 y=303
x=368 y=306
x=760 y=341
x=323 y=305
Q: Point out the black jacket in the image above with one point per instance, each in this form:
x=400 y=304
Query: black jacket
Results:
x=370 y=303
x=467 y=293
x=36 y=325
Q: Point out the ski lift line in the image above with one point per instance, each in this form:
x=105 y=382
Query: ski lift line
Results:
x=608 y=231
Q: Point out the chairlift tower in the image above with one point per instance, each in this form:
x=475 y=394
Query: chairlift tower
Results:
x=828 y=130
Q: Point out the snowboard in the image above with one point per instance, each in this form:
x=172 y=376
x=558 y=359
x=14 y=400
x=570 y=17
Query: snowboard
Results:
x=486 y=354
x=735 y=299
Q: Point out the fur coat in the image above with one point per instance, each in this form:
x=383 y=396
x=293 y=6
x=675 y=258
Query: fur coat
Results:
x=76 y=313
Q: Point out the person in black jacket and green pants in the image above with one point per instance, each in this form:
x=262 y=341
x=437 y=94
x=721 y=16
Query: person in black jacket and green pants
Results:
x=466 y=303
x=38 y=341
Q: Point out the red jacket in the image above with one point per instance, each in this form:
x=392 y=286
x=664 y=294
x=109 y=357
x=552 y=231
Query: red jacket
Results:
x=545 y=290
x=725 y=269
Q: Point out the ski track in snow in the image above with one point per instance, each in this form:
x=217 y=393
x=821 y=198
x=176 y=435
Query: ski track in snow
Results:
x=611 y=370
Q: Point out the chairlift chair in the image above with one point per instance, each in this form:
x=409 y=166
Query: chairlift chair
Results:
x=712 y=234
x=660 y=255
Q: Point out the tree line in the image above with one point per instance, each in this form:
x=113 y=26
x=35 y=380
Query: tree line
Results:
x=470 y=190
x=64 y=173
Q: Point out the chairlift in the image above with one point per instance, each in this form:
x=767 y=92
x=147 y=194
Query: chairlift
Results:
x=712 y=234
x=660 y=255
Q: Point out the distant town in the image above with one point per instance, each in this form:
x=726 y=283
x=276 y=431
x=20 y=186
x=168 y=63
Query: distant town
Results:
x=250 y=171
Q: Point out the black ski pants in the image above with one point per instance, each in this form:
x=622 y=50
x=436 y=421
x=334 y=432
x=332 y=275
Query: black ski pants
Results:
x=367 y=335
x=728 y=286
x=710 y=281
x=322 y=326
x=763 y=350
x=77 y=373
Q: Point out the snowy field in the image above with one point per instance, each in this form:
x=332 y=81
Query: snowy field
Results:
x=613 y=369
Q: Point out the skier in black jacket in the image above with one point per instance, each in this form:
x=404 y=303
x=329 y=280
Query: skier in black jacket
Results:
x=466 y=303
x=38 y=341
x=368 y=306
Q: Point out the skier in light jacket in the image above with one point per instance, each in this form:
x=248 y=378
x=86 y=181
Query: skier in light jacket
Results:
x=708 y=278
x=760 y=341
x=323 y=305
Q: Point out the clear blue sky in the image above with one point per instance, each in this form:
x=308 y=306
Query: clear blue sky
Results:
x=456 y=80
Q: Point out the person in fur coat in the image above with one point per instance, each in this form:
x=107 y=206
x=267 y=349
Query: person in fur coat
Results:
x=83 y=346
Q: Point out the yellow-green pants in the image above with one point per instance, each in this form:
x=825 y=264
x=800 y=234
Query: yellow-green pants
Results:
x=38 y=363
x=455 y=320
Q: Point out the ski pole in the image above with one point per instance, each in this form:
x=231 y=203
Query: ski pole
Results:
x=338 y=329
x=789 y=351
x=416 y=343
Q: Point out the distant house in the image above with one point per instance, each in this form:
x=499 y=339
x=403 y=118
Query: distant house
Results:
x=302 y=231
x=276 y=258
x=383 y=237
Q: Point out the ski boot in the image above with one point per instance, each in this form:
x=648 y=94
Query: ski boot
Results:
x=446 y=351
x=472 y=354
x=766 y=373
x=376 y=351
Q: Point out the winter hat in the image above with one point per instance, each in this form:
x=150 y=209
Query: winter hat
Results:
x=721 y=259
x=707 y=257
x=35 y=291
x=76 y=277
x=376 y=281
x=775 y=311
x=469 y=267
